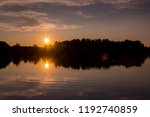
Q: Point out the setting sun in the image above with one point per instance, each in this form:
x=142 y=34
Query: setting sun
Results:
x=46 y=65
x=46 y=40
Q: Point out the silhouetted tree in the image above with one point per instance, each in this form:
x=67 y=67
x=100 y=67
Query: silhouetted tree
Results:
x=76 y=53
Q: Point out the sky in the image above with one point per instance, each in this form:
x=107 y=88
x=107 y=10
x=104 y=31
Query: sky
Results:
x=27 y=22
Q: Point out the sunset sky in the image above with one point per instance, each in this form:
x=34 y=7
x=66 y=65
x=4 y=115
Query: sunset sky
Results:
x=28 y=22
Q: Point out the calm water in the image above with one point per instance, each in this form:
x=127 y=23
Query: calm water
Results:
x=46 y=81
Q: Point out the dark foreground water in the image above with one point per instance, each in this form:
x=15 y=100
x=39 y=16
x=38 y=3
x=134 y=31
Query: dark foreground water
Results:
x=46 y=81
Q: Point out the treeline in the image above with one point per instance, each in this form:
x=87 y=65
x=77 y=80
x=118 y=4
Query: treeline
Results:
x=18 y=53
x=85 y=53
x=95 y=47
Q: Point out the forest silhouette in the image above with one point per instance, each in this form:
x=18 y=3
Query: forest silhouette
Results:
x=78 y=54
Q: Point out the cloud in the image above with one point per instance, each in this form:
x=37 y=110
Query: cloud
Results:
x=121 y=3
x=31 y=21
x=82 y=14
x=33 y=15
x=64 y=2
x=118 y=3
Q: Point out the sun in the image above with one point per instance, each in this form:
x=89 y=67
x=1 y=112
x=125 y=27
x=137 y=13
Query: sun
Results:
x=46 y=40
x=46 y=65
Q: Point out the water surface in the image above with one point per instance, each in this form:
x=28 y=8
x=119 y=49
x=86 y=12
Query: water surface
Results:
x=45 y=80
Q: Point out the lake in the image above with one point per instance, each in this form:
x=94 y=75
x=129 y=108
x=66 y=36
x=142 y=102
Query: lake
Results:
x=45 y=80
